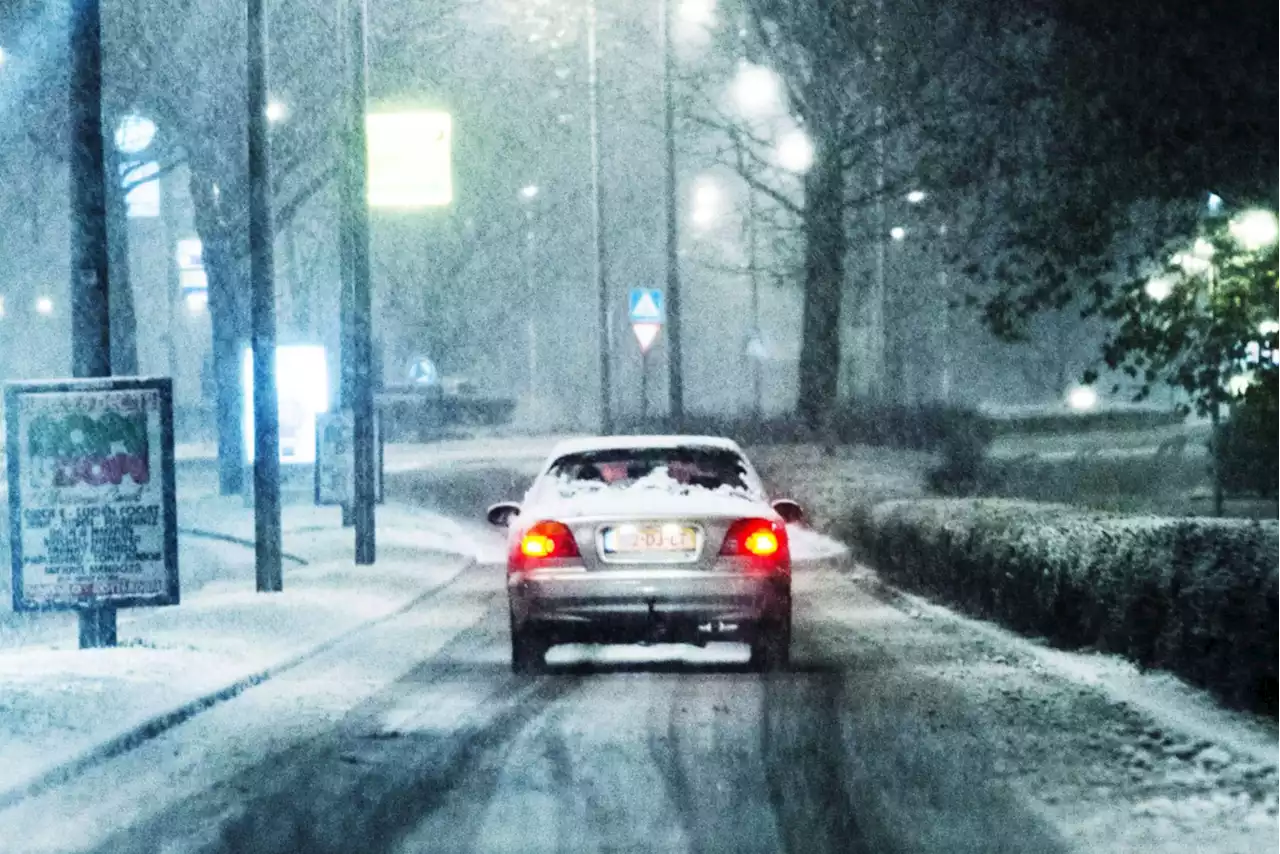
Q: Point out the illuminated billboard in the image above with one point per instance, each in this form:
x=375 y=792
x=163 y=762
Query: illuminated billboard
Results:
x=410 y=159
x=302 y=387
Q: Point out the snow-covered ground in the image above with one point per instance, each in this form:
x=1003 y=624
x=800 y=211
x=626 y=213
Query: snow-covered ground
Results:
x=1158 y=766
x=58 y=702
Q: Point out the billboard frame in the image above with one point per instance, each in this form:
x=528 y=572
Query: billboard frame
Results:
x=13 y=394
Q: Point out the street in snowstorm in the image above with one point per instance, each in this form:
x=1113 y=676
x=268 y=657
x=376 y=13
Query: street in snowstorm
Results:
x=898 y=727
x=674 y=426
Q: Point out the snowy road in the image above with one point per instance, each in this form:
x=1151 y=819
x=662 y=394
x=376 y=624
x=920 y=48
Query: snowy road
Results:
x=895 y=731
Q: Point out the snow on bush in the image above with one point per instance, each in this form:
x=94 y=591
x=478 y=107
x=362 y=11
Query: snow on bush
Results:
x=1194 y=595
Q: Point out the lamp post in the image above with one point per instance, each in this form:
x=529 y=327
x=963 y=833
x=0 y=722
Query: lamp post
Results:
x=266 y=412
x=675 y=368
x=604 y=314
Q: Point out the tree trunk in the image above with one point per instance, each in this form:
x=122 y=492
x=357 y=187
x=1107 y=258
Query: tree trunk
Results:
x=825 y=241
x=124 y=324
x=226 y=312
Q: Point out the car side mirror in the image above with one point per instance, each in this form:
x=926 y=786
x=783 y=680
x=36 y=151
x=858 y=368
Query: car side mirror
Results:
x=501 y=513
x=789 y=510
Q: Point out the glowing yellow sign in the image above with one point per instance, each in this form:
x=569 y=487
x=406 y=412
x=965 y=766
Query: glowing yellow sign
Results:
x=410 y=164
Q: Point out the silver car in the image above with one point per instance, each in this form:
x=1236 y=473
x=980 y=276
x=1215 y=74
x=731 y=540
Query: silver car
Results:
x=648 y=539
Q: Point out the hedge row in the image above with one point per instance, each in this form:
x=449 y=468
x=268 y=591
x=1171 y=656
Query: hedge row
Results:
x=1194 y=596
x=1077 y=422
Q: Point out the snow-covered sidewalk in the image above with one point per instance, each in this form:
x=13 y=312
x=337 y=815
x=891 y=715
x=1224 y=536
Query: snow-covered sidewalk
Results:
x=60 y=705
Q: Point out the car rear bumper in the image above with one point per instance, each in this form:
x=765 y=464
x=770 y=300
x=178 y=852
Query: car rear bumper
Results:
x=648 y=606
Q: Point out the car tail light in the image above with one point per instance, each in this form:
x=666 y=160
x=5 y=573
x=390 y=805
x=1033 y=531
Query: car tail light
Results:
x=543 y=541
x=757 y=538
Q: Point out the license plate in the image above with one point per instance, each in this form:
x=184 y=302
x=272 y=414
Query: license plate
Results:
x=638 y=539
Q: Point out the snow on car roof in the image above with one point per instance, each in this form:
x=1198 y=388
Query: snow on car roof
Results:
x=587 y=444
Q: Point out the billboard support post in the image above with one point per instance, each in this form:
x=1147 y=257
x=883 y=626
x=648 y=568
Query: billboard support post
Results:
x=90 y=312
x=92 y=503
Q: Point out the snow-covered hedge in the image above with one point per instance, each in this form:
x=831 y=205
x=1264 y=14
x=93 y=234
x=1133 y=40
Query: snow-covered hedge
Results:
x=1195 y=596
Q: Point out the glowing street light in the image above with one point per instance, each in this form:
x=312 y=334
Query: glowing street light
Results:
x=707 y=202
x=1198 y=260
x=1239 y=384
x=1082 y=398
x=529 y=192
x=795 y=151
x=915 y=197
x=757 y=90
x=135 y=134
x=44 y=305
x=699 y=12
x=1159 y=288
x=410 y=159
x=898 y=233
x=276 y=111
x=1254 y=229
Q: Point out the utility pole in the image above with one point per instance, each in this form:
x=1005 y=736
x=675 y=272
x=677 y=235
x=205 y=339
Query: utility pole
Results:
x=90 y=305
x=879 y=390
x=597 y=225
x=755 y=344
x=675 y=377
x=266 y=413
x=356 y=224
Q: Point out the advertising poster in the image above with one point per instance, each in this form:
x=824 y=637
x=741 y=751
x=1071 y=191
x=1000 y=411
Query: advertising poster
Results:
x=92 y=509
x=335 y=458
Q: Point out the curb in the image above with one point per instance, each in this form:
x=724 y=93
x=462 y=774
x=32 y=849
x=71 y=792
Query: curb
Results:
x=239 y=541
x=162 y=723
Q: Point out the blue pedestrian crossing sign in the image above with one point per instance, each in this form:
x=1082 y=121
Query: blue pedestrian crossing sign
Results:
x=646 y=305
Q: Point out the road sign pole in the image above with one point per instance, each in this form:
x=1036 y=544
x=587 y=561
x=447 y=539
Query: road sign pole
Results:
x=90 y=309
x=644 y=384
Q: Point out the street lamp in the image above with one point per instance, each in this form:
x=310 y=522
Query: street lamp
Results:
x=134 y=134
x=898 y=233
x=699 y=12
x=756 y=90
x=1254 y=230
x=44 y=306
x=795 y=151
x=915 y=197
x=707 y=203
x=529 y=192
x=276 y=111
x=1082 y=398
x=1159 y=288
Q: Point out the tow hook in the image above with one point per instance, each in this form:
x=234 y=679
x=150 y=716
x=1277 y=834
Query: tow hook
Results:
x=655 y=630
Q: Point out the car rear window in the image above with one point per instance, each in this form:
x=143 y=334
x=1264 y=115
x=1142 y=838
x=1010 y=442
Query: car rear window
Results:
x=705 y=468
